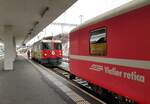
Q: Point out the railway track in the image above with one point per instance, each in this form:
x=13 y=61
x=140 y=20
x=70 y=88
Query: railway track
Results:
x=81 y=90
x=108 y=99
x=86 y=88
x=80 y=83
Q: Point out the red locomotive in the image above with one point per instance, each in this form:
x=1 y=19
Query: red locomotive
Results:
x=112 y=51
x=48 y=52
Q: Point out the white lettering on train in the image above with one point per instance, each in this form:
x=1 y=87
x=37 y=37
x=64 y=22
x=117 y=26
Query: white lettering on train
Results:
x=96 y=67
x=114 y=72
x=134 y=76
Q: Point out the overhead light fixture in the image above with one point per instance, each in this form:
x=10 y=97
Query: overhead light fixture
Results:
x=36 y=23
x=44 y=11
x=23 y=44
x=29 y=33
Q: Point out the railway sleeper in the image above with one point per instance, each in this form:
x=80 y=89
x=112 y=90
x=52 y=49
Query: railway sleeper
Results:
x=71 y=76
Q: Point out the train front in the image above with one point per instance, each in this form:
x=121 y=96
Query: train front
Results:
x=51 y=52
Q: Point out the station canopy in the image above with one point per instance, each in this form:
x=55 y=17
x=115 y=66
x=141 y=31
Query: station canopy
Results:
x=28 y=17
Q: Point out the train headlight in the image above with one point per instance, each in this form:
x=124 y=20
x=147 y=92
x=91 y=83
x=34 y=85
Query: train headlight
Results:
x=53 y=52
x=45 y=54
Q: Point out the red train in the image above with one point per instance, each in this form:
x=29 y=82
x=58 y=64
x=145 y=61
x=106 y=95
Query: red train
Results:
x=48 y=52
x=112 y=52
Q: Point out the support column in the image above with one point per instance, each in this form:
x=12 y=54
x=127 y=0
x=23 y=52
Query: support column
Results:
x=14 y=45
x=9 y=48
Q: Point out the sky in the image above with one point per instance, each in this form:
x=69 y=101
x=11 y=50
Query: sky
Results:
x=78 y=13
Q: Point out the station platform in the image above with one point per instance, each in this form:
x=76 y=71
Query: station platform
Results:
x=31 y=83
x=25 y=85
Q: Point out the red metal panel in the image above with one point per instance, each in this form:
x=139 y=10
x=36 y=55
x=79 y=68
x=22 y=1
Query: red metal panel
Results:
x=128 y=38
x=131 y=82
x=58 y=53
x=51 y=54
x=74 y=44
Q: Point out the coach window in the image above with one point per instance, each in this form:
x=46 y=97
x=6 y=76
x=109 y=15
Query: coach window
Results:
x=47 y=46
x=57 y=46
x=98 y=42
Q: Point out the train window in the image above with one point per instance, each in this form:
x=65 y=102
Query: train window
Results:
x=39 y=48
x=98 y=42
x=57 y=46
x=47 y=46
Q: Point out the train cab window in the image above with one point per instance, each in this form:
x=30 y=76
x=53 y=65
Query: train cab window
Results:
x=57 y=46
x=98 y=42
x=47 y=46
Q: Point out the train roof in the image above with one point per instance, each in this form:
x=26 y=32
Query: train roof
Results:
x=115 y=12
x=46 y=41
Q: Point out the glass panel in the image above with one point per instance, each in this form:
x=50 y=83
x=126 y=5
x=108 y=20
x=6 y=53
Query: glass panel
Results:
x=47 y=46
x=98 y=42
x=57 y=46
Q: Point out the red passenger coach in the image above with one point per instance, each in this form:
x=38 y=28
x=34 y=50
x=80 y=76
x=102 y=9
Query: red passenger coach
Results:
x=47 y=52
x=112 y=51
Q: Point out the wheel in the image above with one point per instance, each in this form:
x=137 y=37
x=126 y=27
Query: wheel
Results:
x=71 y=76
x=98 y=90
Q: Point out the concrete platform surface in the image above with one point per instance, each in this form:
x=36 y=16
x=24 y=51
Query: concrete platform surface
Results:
x=24 y=85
